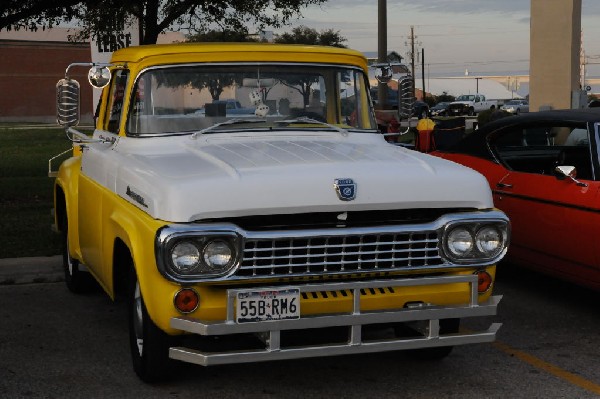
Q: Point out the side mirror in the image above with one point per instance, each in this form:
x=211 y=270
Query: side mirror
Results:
x=99 y=76
x=565 y=171
x=67 y=102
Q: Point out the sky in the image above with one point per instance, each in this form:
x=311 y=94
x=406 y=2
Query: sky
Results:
x=485 y=37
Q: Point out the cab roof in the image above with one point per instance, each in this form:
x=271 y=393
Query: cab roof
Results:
x=244 y=52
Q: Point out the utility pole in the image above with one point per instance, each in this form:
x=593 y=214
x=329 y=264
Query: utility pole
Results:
x=413 y=55
x=382 y=49
x=423 y=71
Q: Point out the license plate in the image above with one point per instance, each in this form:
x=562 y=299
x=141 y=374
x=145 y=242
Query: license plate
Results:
x=253 y=306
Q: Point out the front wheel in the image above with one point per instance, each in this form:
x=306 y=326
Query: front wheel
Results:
x=78 y=281
x=471 y=112
x=149 y=344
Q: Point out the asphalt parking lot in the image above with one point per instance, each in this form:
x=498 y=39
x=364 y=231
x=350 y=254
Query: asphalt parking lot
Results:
x=56 y=344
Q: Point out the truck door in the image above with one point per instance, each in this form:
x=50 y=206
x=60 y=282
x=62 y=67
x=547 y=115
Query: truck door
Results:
x=95 y=178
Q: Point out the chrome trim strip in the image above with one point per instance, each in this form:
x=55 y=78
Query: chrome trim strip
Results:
x=354 y=320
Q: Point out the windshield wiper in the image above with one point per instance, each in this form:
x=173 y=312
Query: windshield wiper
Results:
x=228 y=122
x=307 y=120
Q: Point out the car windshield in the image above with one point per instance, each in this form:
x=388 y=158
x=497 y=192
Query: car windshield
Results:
x=513 y=102
x=466 y=97
x=192 y=98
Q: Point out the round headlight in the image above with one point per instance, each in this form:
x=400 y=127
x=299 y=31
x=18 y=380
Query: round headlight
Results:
x=217 y=254
x=489 y=240
x=185 y=257
x=460 y=242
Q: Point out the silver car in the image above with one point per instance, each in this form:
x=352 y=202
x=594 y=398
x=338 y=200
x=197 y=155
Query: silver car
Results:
x=516 y=106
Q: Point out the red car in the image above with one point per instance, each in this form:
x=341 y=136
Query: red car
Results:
x=544 y=173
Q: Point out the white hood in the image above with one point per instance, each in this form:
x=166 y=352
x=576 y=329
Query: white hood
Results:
x=179 y=179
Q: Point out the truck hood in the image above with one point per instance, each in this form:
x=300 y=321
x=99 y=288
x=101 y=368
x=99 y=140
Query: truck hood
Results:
x=179 y=179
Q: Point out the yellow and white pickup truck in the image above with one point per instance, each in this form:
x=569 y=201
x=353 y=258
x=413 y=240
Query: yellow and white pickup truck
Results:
x=296 y=228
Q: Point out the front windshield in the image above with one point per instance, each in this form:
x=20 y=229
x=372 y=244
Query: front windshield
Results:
x=466 y=97
x=191 y=98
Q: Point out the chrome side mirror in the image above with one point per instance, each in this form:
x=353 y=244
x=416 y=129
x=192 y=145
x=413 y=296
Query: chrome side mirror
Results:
x=566 y=171
x=67 y=102
x=385 y=74
x=99 y=76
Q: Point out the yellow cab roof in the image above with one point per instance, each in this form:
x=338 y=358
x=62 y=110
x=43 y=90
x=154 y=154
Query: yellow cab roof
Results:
x=161 y=54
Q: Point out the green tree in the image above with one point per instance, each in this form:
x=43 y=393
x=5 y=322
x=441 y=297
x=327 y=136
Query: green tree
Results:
x=445 y=97
x=222 y=36
x=31 y=14
x=102 y=17
x=305 y=35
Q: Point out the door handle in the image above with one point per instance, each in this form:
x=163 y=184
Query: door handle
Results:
x=504 y=185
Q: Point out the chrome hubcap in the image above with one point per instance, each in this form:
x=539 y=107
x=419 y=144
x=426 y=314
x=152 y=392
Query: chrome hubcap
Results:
x=138 y=321
x=69 y=259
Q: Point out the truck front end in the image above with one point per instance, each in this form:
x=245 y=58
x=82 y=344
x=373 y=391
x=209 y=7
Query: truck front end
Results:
x=416 y=271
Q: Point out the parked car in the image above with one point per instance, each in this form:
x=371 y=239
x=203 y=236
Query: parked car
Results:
x=470 y=104
x=440 y=109
x=544 y=172
x=392 y=96
x=420 y=109
x=516 y=106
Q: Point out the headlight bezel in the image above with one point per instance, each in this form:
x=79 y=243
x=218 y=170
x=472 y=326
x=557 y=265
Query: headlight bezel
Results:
x=475 y=229
x=168 y=241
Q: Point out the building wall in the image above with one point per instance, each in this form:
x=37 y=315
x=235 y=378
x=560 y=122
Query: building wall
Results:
x=554 y=59
x=29 y=71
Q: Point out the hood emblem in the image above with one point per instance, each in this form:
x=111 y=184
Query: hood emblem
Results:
x=345 y=189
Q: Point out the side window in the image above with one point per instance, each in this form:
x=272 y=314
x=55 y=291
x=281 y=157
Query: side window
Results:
x=115 y=101
x=576 y=152
x=539 y=149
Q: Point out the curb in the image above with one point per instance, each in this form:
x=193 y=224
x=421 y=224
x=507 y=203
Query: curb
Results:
x=31 y=270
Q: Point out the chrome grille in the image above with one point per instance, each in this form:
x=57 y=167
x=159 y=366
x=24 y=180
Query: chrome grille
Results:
x=373 y=252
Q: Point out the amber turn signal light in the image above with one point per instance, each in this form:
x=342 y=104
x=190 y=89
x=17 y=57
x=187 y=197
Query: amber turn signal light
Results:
x=186 y=300
x=484 y=281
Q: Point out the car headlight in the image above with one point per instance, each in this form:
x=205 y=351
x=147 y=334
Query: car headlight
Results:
x=217 y=254
x=185 y=257
x=200 y=256
x=474 y=242
x=460 y=242
x=489 y=240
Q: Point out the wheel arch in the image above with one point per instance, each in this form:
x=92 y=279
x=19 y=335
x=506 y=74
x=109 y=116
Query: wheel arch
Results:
x=122 y=263
x=60 y=207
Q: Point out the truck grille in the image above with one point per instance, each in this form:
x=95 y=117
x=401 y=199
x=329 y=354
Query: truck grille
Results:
x=297 y=256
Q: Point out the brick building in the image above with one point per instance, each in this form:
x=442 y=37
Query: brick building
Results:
x=30 y=65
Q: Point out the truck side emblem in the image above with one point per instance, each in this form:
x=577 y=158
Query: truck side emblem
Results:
x=345 y=189
x=136 y=197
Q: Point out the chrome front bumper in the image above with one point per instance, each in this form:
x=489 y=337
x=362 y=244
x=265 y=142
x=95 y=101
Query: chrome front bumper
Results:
x=354 y=321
